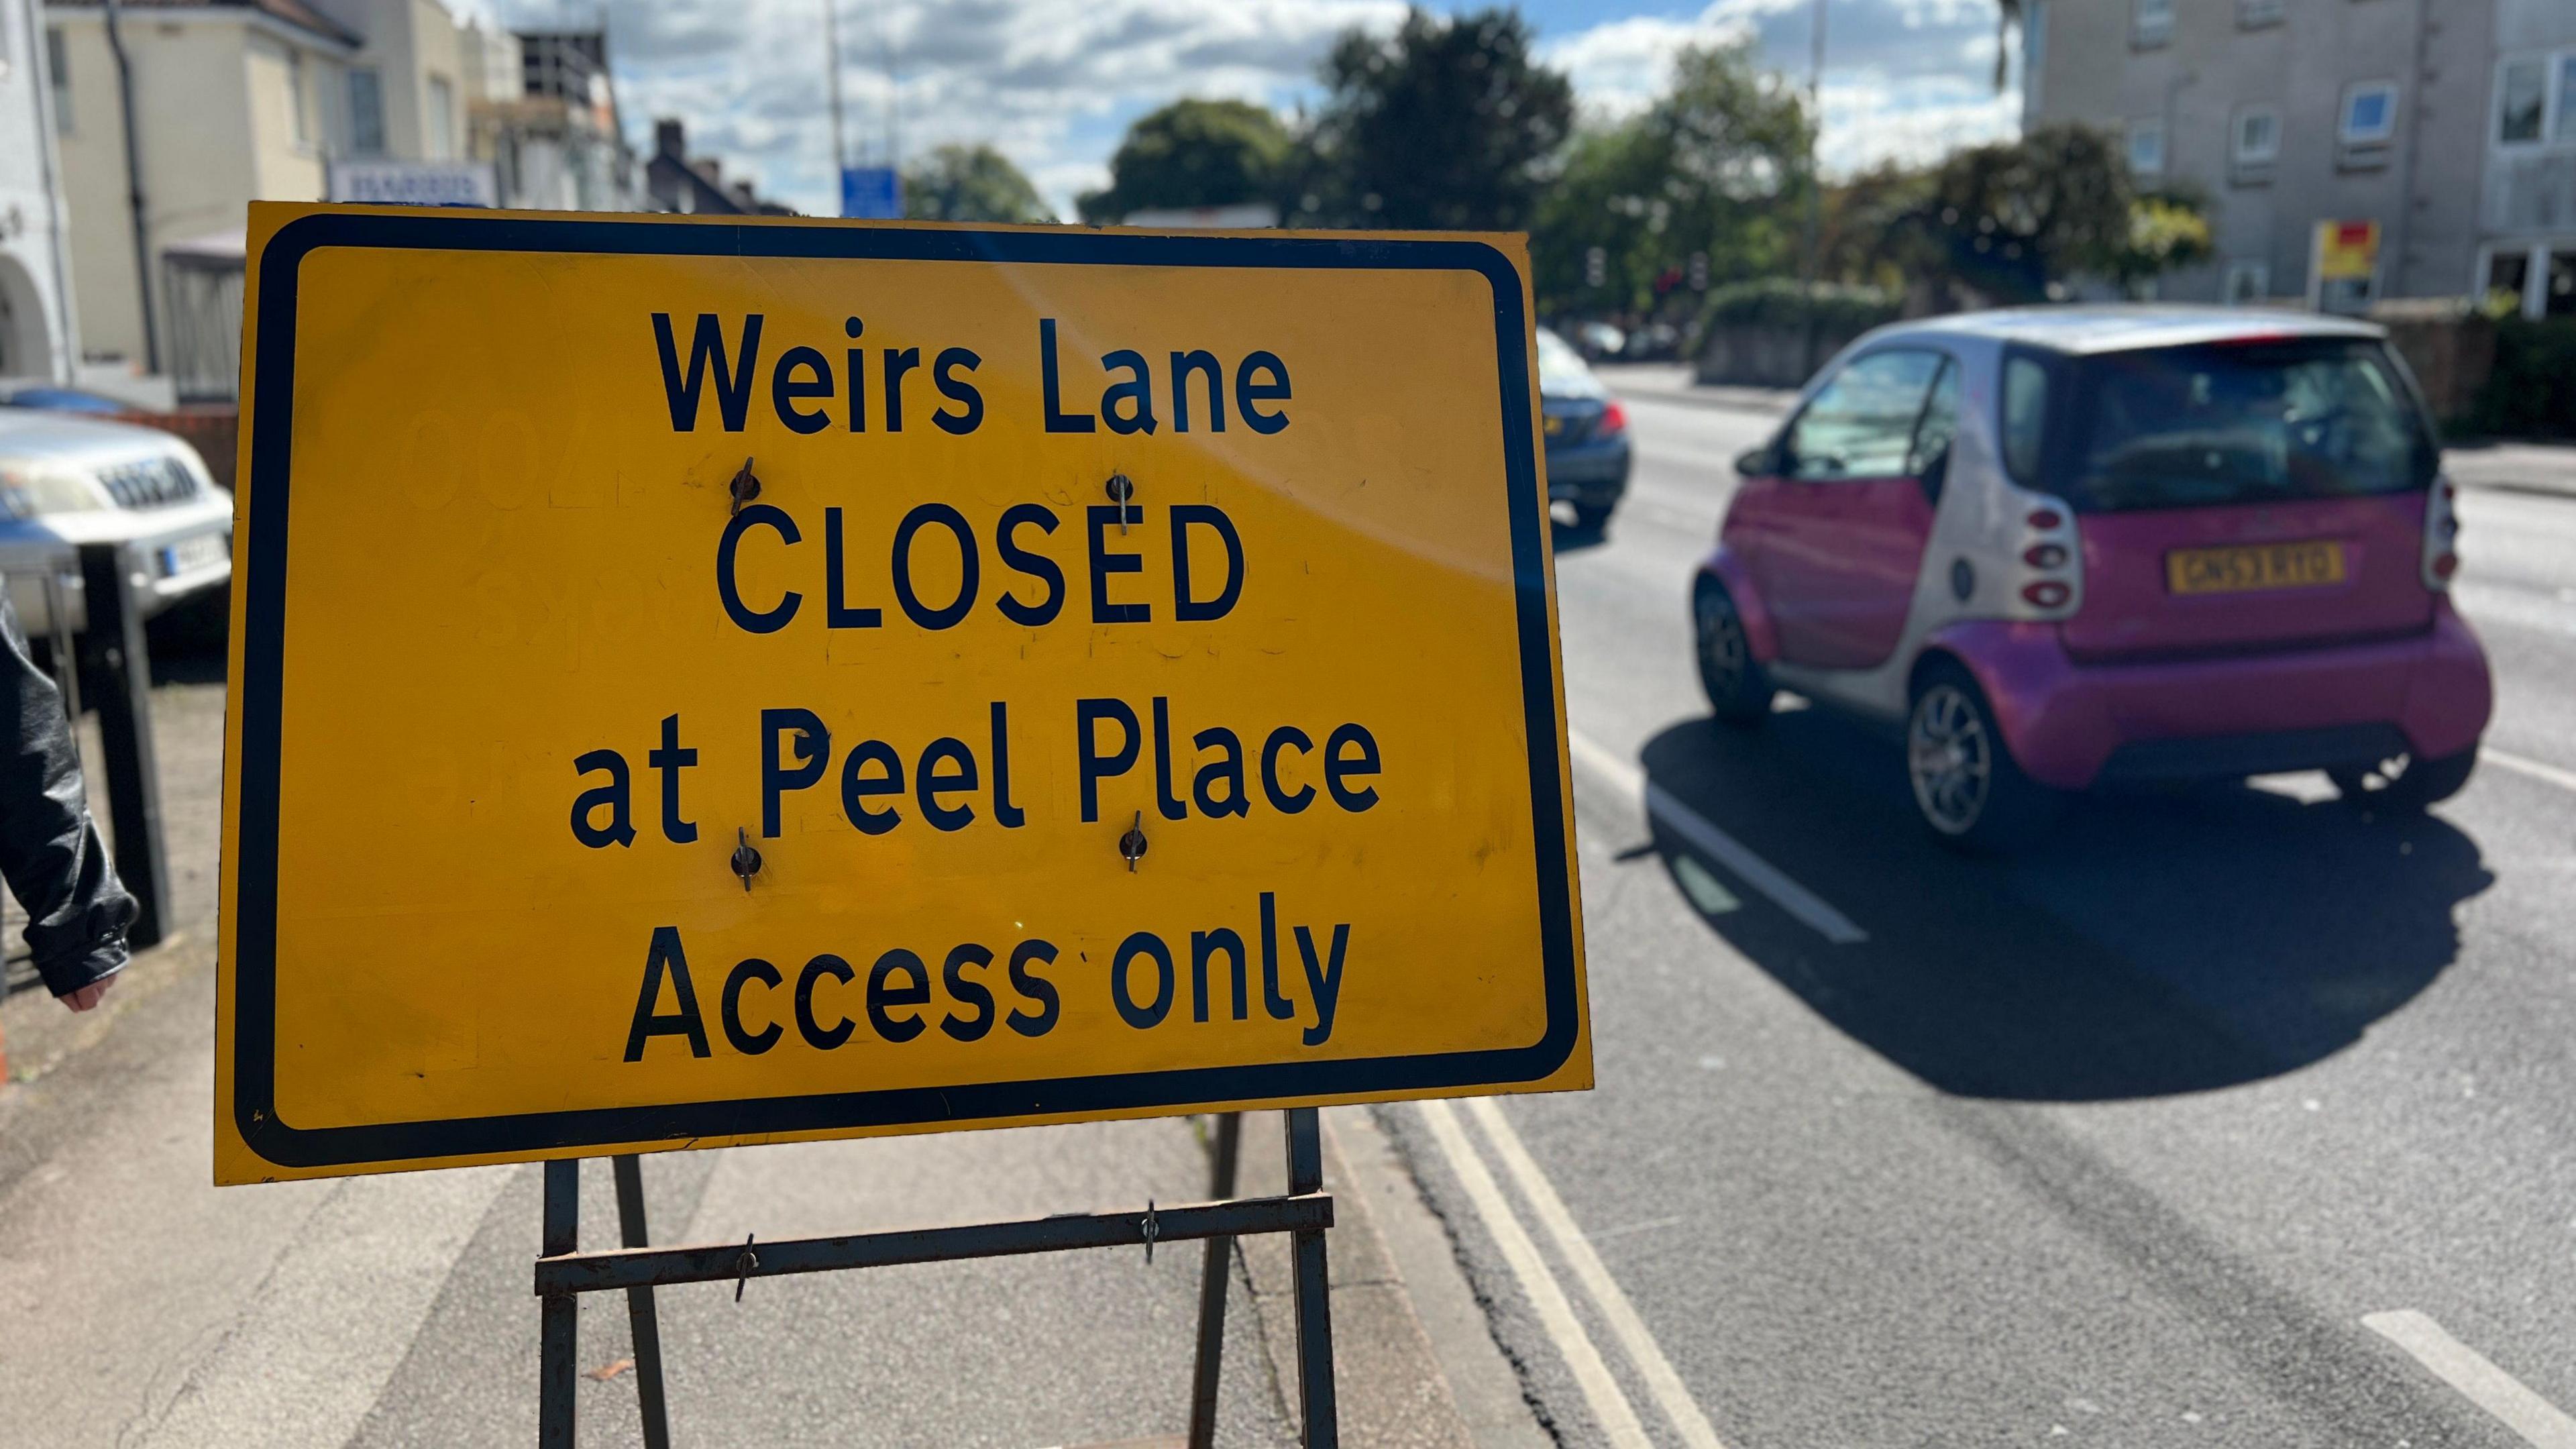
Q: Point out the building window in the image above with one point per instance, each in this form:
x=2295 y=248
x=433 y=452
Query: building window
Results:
x=2257 y=139
x=442 y=119
x=2509 y=280
x=2248 y=282
x=2369 y=114
x=2253 y=14
x=58 y=70
x=2521 y=95
x=2151 y=22
x=366 y=113
x=295 y=98
x=2147 y=147
x=2566 y=130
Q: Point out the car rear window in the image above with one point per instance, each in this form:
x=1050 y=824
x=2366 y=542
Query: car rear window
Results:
x=1562 y=372
x=2262 y=422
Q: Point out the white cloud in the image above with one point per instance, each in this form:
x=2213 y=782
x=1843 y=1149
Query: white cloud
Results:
x=1053 y=83
x=1904 y=79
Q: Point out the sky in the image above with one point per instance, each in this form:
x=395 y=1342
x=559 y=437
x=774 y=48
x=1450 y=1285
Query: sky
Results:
x=1054 y=83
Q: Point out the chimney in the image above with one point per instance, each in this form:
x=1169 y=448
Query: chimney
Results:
x=669 y=139
x=742 y=193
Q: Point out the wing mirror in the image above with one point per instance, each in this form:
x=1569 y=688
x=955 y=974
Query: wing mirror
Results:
x=1757 y=462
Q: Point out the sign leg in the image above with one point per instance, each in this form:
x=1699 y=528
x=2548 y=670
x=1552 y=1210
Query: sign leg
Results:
x=114 y=652
x=1314 y=1306
x=560 y=1323
x=1220 y=1262
x=629 y=1172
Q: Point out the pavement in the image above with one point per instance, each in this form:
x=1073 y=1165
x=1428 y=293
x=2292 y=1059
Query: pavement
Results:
x=2233 y=1116
x=150 y=1308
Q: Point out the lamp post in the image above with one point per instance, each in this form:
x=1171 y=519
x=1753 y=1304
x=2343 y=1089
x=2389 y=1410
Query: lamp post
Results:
x=1808 y=263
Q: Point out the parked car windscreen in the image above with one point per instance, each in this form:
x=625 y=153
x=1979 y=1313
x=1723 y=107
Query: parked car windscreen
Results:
x=2255 y=422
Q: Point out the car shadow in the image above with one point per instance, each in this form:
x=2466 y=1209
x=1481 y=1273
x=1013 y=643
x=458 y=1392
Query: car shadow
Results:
x=188 y=642
x=2152 y=944
x=1575 y=538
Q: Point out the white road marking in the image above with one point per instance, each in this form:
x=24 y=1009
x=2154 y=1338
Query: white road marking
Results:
x=1547 y=1298
x=1703 y=889
x=1714 y=843
x=2540 y=1423
x=2563 y=779
x=1642 y=1350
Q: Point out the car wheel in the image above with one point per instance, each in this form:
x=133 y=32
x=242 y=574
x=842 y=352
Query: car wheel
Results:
x=2404 y=782
x=1739 y=689
x=1967 y=786
x=1590 y=518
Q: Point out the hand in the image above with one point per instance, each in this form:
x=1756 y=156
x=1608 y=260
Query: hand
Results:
x=88 y=996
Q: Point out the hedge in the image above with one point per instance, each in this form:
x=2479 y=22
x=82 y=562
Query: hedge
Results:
x=2532 y=391
x=1783 y=302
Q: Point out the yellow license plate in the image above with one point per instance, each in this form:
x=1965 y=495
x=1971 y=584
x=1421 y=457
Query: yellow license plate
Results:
x=2255 y=567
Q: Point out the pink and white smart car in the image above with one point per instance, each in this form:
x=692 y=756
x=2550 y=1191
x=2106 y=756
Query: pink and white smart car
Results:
x=2077 y=546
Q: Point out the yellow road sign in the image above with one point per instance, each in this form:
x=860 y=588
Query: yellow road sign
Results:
x=716 y=682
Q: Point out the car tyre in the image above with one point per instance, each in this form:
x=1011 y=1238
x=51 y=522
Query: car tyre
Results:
x=2404 y=782
x=1739 y=689
x=1968 y=789
x=1591 y=518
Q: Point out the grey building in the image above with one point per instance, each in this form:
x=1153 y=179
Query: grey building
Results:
x=2436 y=137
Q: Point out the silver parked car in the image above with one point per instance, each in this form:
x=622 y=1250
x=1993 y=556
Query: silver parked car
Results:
x=67 y=480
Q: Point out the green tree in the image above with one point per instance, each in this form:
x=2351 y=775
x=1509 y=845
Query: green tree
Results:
x=2002 y=222
x=1193 y=153
x=970 y=183
x=1708 y=170
x=1447 y=123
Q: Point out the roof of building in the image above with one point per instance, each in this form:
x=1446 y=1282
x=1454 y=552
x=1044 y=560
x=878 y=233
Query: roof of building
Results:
x=293 y=12
x=2120 y=328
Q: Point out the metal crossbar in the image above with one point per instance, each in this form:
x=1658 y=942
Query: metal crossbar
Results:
x=611 y=1269
x=563 y=1271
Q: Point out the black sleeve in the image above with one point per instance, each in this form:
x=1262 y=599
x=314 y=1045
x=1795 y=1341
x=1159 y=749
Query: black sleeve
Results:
x=50 y=853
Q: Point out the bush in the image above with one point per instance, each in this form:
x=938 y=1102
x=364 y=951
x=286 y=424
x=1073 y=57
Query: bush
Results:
x=2532 y=391
x=1839 y=310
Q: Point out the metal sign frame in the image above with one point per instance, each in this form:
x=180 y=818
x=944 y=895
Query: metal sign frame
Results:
x=262 y=584
x=564 y=1271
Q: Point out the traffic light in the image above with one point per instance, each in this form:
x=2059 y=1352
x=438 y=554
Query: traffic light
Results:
x=1596 y=266
x=1699 y=271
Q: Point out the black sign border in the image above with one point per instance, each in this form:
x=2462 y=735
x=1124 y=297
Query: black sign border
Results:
x=263 y=582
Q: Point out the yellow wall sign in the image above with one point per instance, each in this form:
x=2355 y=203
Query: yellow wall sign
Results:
x=2347 y=250
x=583 y=559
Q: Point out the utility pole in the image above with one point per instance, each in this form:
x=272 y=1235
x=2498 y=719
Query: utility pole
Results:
x=832 y=72
x=1808 y=263
x=134 y=189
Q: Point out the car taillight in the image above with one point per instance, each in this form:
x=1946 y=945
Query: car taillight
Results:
x=1614 y=419
x=2441 y=536
x=2051 y=576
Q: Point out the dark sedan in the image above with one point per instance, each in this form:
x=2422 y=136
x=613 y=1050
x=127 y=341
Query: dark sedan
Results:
x=1586 y=433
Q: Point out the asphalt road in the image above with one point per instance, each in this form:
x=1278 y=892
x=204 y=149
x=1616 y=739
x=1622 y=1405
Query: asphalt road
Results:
x=2117 y=1143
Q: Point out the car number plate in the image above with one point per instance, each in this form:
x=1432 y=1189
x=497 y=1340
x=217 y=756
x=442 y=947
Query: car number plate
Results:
x=2250 y=568
x=191 y=554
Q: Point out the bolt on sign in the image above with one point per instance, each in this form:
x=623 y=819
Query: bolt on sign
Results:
x=701 y=683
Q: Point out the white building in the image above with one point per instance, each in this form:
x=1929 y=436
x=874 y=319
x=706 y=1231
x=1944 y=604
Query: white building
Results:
x=233 y=101
x=38 y=340
x=2441 y=134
